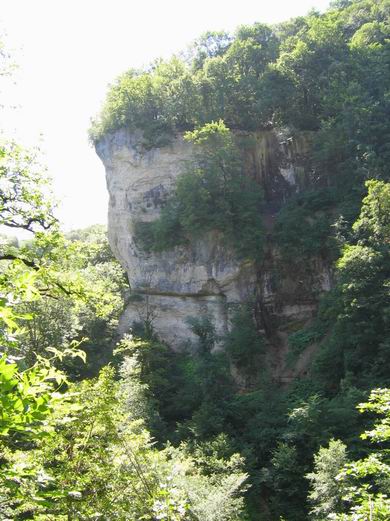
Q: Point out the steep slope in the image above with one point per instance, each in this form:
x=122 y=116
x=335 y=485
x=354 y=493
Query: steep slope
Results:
x=205 y=278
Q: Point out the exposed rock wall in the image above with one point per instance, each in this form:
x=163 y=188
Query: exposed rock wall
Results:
x=204 y=278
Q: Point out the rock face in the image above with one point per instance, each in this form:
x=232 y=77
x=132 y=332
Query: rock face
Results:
x=204 y=278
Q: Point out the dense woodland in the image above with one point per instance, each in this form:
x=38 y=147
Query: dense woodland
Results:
x=97 y=427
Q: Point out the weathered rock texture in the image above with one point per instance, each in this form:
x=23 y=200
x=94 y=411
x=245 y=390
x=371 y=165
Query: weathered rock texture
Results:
x=205 y=279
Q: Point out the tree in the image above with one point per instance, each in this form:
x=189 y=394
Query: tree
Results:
x=88 y=312
x=209 y=45
x=366 y=481
x=23 y=203
x=212 y=194
x=363 y=274
x=101 y=463
x=243 y=343
x=326 y=494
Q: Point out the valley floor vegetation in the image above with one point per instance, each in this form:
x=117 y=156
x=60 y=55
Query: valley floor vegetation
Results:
x=97 y=427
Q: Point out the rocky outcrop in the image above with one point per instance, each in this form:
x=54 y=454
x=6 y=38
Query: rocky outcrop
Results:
x=204 y=278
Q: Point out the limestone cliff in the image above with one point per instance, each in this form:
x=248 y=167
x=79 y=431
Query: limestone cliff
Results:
x=205 y=278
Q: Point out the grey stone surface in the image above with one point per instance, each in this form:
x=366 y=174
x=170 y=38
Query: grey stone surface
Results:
x=204 y=278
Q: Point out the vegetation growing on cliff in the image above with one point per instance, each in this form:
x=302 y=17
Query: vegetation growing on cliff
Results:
x=326 y=73
x=213 y=193
x=163 y=435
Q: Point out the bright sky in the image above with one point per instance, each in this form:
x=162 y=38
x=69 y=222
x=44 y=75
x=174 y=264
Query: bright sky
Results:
x=69 y=50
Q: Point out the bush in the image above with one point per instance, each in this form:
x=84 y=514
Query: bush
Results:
x=304 y=226
x=243 y=343
x=213 y=193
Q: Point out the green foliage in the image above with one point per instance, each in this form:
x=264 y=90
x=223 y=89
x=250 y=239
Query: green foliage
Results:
x=100 y=463
x=301 y=339
x=303 y=227
x=24 y=205
x=87 y=307
x=213 y=194
x=363 y=279
x=327 y=492
x=204 y=329
x=314 y=72
x=243 y=343
x=25 y=398
x=23 y=202
x=325 y=72
x=153 y=101
x=373 y=225
x=209 y=45
x=212 y=381
x=362 y=485
x=283 y=476
x=163 y=233
x=317 y=329
x=220 y=82
x=28 y=400
x=150 y=377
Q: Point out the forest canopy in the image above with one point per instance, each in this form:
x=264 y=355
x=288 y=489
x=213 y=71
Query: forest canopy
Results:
x=318 y=72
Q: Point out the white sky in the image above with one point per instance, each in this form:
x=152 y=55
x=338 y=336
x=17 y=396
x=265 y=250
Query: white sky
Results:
x=69 y=50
